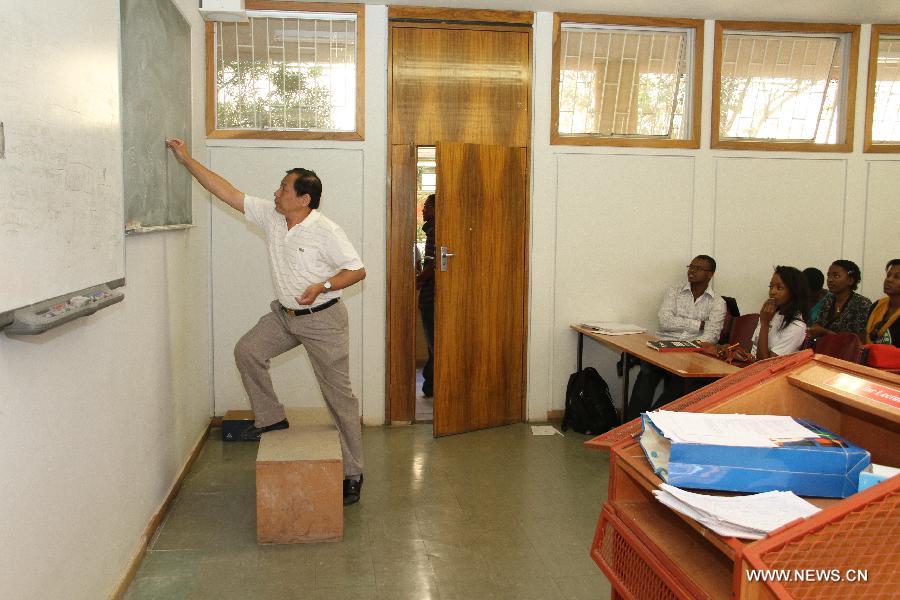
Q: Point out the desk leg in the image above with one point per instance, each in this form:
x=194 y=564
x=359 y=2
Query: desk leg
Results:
x=625 y=382
x=580 y=349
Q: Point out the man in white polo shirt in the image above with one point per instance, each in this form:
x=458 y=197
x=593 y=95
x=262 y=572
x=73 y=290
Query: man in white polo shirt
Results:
x=311 y=261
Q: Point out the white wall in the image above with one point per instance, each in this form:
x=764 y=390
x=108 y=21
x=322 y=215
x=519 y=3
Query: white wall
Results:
x=626 y=221
x=98 y=416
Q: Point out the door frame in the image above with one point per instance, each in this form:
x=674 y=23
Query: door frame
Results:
x=400 y=383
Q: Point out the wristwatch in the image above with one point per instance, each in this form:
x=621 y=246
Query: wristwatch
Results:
x=327 y=285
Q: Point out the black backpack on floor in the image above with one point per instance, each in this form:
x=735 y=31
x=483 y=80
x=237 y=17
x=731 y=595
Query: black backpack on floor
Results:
x=589 y=407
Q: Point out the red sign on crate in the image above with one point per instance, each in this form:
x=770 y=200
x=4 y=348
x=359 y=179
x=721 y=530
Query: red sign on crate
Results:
x=866 y=389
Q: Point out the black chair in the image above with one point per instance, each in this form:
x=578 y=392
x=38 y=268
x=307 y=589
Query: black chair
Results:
x=732 y=312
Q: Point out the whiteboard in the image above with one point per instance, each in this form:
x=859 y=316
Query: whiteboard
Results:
x=61 y=207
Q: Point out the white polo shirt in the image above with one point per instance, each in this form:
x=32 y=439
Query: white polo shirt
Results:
x=311 y=252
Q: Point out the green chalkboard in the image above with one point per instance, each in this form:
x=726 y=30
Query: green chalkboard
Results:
x=156 y=104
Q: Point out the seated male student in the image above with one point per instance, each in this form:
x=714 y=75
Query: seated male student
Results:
x=691 y=311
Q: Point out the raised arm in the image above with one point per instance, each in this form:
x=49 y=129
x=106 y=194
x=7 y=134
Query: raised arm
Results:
x=217 y=185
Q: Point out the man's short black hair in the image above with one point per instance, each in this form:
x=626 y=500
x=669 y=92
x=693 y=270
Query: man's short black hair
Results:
x=307 y=182
x=815 y=279
x=710 y=261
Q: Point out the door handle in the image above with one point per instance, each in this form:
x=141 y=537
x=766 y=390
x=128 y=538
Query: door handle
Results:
x=444 y=256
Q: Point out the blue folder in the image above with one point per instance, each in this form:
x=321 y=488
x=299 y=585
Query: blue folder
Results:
x=825 y=465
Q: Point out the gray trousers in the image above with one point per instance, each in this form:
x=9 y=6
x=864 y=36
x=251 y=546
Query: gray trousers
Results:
x=326 y=337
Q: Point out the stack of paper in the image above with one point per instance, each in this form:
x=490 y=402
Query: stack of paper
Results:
x=759 y=431
x=748 y=517
x=614 y=328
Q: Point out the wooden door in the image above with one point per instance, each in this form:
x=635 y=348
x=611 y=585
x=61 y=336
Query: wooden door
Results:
x=401 y=300
x=454 y=76
x=481 y=296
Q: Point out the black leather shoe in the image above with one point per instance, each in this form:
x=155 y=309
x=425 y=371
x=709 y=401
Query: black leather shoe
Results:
x=252 y=433
x=352 y=490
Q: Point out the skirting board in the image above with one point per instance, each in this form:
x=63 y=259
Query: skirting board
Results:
x=135 y=562
x=555 y=415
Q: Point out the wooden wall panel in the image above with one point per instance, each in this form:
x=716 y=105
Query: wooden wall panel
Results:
x=460 y=85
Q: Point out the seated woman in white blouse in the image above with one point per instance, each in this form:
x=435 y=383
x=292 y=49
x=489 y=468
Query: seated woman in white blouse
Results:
x=782 y=327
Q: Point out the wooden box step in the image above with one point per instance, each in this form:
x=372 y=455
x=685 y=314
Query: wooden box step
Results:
x=299 y=481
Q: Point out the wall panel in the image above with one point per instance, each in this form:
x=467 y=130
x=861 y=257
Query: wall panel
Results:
x=774 y=212
x=882 y=217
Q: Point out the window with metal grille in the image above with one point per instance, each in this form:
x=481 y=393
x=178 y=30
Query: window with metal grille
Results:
x=787 y=87
x=883 y=127
x=631 y=79
x=288 y=74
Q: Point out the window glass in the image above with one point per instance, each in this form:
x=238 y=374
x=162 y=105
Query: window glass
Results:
x=781 y=87
x=622 y=81
x=886 y=109
x=287 y=71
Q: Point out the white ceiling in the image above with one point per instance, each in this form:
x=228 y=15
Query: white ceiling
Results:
x=832 y=11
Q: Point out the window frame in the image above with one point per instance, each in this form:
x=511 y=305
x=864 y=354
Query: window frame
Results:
x=868 y=144
x=848 y=90
x=696 y=87
x=274 y=134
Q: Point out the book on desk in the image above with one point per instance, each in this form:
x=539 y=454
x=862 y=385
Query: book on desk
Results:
x=674 y=346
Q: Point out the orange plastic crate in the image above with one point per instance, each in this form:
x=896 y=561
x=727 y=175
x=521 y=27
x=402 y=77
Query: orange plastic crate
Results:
x=858 y=538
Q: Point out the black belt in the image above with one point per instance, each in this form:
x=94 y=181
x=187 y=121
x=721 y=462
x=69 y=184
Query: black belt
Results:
x=307 y=311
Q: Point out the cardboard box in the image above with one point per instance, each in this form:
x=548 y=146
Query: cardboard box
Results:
x=822 y=465
x=234 y=422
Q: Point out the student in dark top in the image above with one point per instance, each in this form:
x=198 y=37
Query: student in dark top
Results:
x=883 y=326
x=816 y=296
x=425 y=283
x=843 y=309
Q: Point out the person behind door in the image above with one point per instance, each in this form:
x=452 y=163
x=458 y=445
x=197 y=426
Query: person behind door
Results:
x=425 y=283
x=311 y=260
x=691 y=311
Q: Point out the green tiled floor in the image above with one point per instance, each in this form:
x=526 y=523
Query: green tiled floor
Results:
x=491 y=514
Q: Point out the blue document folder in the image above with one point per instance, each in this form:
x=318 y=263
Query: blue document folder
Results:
x=823 y=464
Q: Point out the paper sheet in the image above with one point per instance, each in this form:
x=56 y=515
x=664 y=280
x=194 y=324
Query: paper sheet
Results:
x=758 y=431
x=610 y=328
x=545 y=430
x=750 y=516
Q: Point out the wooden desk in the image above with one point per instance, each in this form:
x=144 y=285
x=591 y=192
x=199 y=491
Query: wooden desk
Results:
x=690 y=365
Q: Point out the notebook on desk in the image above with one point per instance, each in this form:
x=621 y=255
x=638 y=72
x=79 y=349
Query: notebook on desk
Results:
x=674 y=346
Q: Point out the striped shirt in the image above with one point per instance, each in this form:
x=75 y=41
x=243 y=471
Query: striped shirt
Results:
x=680 y=315
x=310 y=252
